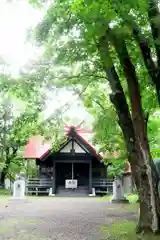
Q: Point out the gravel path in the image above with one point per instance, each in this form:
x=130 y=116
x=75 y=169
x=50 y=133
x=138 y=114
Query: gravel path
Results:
x=57 y=218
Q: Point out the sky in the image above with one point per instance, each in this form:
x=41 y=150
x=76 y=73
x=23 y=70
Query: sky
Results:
x=15 y=19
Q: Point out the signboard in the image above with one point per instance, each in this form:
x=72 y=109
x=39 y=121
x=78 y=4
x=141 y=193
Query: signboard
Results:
x=71 y=183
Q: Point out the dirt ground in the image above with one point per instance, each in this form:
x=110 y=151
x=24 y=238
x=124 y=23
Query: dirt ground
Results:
x=58 y=218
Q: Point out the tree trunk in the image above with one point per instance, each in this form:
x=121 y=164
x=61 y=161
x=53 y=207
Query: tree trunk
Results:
x=5 y=170
x=135 y=136
x=147 y=191
x=9 y=157
x=154 y=15
x=153 y=70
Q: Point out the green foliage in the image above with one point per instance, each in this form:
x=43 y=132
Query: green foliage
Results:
x=70 y=31
x=4 y=192
x=117 y=167
x=154 y=135
x=17 y=127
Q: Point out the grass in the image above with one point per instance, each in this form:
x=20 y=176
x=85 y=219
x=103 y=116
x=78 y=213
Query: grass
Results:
x=4 y=195
x=125 y=230
x=132 y=198
x=133 y=206
x=4 y=192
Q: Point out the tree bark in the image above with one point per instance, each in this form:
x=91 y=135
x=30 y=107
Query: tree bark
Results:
x=134 y=131
x=153 y=70
x=9 y=158
x=5 y=170
x=154 y=15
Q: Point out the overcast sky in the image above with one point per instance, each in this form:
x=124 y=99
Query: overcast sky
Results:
x=15 y=19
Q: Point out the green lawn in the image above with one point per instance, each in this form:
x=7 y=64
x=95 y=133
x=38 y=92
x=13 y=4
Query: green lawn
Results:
x=4 y=192
x=125 y=230
x=132 y=198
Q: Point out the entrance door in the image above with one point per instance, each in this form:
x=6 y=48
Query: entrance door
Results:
x=78 y=171
x=63 y=172
x=81 y=173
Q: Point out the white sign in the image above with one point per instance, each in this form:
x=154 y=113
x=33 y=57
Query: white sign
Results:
x=70 y=183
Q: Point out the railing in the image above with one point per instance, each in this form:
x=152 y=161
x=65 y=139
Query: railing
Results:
x=39 y=182
x=37 y=186
x=102 y=185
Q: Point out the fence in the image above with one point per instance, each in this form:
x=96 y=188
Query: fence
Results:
x=36 y=186
x=102 y=185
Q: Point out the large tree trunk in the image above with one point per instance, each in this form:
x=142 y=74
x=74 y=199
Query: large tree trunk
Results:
x=134 y=131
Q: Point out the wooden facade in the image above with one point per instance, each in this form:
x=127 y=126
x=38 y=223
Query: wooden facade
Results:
x=75 y=160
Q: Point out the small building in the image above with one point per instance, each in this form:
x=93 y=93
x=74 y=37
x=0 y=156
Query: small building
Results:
x=75 y=166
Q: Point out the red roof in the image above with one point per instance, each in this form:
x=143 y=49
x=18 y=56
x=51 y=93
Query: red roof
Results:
x=37 y=148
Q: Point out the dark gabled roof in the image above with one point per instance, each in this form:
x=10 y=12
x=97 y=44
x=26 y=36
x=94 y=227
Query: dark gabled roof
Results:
x=74 y=135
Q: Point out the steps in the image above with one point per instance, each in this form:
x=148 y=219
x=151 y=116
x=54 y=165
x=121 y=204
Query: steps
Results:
x=81 y=191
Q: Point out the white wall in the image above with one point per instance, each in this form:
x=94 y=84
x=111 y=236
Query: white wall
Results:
x=68 y=148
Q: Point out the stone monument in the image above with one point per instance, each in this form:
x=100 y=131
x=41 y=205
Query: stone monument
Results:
x=118 y=192
x=19 y=188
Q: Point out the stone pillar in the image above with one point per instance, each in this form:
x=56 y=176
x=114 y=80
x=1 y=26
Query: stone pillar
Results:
x=127 y=184
x=118 y=192
x=90 y=176
x=19 y=189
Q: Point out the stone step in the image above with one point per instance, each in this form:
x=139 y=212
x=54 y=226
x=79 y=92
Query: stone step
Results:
x=80 y=191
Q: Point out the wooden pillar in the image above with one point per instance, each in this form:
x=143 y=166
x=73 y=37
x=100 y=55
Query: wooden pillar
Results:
x=27 y=169
x=54 y=178
x=90 y=176
x=105 y=172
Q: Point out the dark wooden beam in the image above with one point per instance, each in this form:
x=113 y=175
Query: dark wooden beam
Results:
x=73 y=161
x=54 y=178
x=90 y=177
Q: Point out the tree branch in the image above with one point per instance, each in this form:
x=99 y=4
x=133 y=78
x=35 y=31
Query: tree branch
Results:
x=154 y=17
x=146 y=52
x=100 y=105
x=153 y=70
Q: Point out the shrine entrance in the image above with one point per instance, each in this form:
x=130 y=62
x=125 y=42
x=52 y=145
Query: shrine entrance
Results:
x=72 y=171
